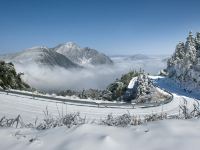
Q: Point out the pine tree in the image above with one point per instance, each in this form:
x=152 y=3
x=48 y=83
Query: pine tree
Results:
x=190 y=49
x=197 y=40
x=184 y=65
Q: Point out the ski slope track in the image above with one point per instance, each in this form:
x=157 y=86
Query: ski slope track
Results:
x=30 y=107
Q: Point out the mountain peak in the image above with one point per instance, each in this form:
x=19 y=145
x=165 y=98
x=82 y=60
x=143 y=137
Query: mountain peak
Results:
x=37 y=47
x=82 y=56
x=71 y=45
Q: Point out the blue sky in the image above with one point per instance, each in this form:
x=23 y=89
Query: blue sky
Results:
x=110 y=26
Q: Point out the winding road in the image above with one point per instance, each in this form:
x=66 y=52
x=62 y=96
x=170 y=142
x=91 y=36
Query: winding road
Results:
x=31 y=106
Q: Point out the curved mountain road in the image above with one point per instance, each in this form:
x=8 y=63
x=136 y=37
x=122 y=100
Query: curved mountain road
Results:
x=30 y=106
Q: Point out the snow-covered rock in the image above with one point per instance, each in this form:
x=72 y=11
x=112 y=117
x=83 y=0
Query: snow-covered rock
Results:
x=40 y=56
x=82 y=56
x=67 y=55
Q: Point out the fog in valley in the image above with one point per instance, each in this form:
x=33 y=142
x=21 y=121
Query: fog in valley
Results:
x=97 y=77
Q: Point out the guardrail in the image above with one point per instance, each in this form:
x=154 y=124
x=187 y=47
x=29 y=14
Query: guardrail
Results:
x=91 y=104
x=70 y=101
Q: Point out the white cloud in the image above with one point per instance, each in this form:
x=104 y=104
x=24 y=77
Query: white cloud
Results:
x=57 y=78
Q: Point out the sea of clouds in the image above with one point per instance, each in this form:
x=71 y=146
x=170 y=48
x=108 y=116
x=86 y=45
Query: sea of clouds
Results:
x=97 y=77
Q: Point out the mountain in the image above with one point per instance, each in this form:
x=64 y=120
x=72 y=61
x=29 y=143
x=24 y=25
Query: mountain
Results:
x=139 y=57
x=184 y=64
x=41 y=56
x=82 y=56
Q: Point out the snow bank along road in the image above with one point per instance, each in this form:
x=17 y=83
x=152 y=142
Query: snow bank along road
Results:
x=12 y=104
x=81 y=102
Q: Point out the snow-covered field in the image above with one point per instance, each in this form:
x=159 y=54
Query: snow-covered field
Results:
x=168 y=134
x=162 y=135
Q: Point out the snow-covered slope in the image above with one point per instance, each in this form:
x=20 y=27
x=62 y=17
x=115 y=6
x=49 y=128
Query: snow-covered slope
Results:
x=13 y=104
x=40 y=56
x=82 y=56
x=159 y=135
x=64 y=55
x=167 y=134
x=132 y=83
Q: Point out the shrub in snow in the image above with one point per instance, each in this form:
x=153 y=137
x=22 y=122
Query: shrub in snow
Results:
x=121 y=121
x=185 y=113
x=124 y=120
x=155 y=117
x=127 y=119
x=68 y=120
x=13 y=122
x=48 y=122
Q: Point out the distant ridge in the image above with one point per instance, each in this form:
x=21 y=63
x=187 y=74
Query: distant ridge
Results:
x=67 y=55
x=82 y=56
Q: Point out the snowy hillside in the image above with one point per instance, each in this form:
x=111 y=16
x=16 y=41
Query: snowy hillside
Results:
x=41 y=56
x=30 y=107
x=165 y=134
x=82 y=56
x=184 y=65
x=68 y=55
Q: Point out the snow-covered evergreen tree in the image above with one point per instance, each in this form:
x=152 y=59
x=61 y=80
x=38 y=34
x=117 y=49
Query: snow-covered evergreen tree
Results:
x=143 y=85
x=197 y=40
x=184 y=65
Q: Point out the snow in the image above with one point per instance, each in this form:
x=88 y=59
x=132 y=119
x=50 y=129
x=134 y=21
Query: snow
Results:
x=68 y=46
x=183 y=66
x=37 y=47
x=173 y=87
x=84 y=61
x=71 y=45
x=165 y=135
x=132 y=82
x=73 y=97
x=30 y=108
